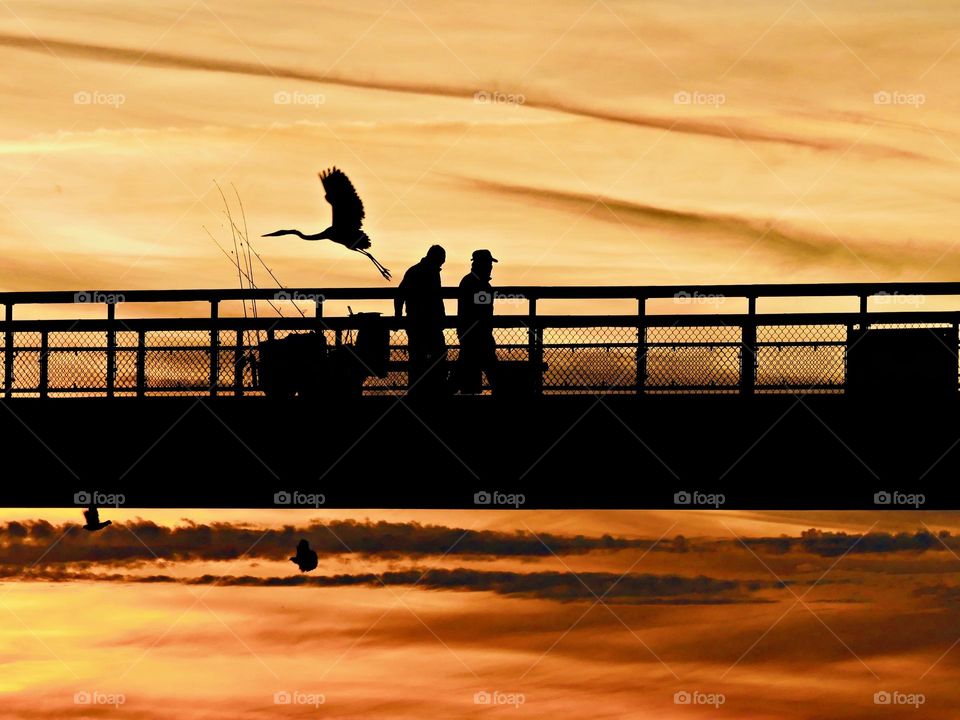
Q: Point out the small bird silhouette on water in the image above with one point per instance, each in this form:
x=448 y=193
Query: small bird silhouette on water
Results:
x=305 y=559
x=347 y=217
x=92 y=516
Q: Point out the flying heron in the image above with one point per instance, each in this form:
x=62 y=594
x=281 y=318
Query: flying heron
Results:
x=347 y=217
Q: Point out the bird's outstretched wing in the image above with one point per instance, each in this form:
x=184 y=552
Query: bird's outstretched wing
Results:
x=343 y=198
x=92 y=516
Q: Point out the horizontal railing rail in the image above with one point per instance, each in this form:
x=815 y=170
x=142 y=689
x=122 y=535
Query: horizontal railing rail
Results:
x=531 y=292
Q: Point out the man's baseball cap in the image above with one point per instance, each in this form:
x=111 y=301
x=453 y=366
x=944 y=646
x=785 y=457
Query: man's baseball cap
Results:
x=481 y=255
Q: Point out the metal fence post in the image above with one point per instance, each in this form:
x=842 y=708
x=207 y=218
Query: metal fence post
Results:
x=641 y=379
x=748 y=349
x=956 y=341
x=111 y=348
x=238 y=363
x=141 y=363
x=535 y=346
x=9 y=352
x=44 y=367
x=214 y=346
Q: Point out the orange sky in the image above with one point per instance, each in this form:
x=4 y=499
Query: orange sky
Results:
x=493 y=602
x=783 y=166
x=612 y=143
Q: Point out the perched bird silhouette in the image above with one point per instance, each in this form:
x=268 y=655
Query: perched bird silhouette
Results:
x=347 y=217
x=305 y=559
x=92 y=516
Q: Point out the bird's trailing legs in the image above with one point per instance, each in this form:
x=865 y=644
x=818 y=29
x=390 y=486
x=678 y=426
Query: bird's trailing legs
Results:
x=381 y=268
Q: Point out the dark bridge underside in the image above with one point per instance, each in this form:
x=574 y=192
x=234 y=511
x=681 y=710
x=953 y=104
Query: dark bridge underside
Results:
x=785 y=451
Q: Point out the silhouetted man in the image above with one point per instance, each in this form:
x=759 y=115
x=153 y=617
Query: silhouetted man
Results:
x=421 y=291
x=475 y=325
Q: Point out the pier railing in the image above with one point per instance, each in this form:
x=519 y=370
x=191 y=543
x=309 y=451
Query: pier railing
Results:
x=677 y=339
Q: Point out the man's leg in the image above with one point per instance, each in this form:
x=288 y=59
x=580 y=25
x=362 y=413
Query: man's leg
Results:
x=468 y=367
x=488 y=361
x=416 y=360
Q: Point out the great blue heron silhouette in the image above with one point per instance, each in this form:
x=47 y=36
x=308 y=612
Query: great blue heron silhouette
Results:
x=305 y=559
x=347 y=217
x=92 y=516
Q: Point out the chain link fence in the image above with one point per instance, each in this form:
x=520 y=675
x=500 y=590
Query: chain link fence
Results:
x=697 y=359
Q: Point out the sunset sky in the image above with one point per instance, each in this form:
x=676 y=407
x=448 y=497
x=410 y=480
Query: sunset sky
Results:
x=198 y=614
x=621 y=142
x=587 y=142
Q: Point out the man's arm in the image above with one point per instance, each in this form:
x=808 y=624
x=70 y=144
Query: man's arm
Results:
x=401 y=295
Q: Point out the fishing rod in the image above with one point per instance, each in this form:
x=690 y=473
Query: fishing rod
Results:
x=236 y=264
x=234 y=231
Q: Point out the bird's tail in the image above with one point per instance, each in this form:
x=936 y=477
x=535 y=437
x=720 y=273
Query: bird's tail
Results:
x=362 y=242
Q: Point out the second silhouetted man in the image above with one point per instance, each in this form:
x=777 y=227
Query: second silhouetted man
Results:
x=475 y=326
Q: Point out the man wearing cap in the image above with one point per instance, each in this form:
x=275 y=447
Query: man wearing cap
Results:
x=475 y=326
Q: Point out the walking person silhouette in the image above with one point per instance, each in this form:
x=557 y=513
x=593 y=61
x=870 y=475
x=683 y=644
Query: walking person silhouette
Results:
x=478 y=352
x=421 y=292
